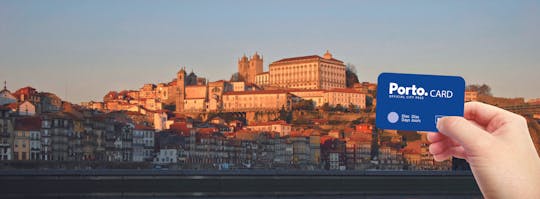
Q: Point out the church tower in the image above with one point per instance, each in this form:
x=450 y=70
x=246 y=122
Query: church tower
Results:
x=255 y=67
x=243 y=68
x=180 y=89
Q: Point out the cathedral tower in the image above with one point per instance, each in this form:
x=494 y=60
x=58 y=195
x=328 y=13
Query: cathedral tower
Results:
x=255 y=67
x=243 y=67
x=249 y=68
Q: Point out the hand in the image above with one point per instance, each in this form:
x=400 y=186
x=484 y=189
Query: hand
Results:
x=498 y=147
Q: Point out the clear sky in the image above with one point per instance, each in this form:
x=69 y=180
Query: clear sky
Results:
x=82 y=49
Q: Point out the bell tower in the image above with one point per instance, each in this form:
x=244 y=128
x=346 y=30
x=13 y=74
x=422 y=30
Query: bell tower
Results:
x=180 y=89
x=243 y=67
x=255 y=67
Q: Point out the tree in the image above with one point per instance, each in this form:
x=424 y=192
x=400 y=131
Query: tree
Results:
x=352 y=108
x=236 y=77
x=285 y=115
x=483 y=89
x=327 y=107
x=304 y=105
x=339 y=107
x=350 y=74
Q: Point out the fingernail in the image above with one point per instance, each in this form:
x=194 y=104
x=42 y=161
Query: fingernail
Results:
x=439 y=125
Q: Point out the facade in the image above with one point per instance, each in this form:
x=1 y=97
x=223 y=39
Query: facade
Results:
x=315 y=95
x=60 y=128
x=249 y=68
x=6 y=133
x=333 y=152
x=143 y=143
x=308 y=72
x=29 y=94
x=345 y=97
x=25 y=108
x=301 y=152
x=166 y=156
x=390 y=158
x=280 y=127
x=358 y=148
x=262 y=79
x=195 y=98
x=238 y=86
x=257 y=100
x=162 y=93
x=284 y=153
x=93 y=105
x=315 y=149
x=148 y=91
x=26 y=139
x=215 y=94
x=122 y=140
x=160 y=120
x=342 y=96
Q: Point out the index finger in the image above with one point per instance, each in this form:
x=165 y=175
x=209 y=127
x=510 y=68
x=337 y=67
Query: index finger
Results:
x=483 y=114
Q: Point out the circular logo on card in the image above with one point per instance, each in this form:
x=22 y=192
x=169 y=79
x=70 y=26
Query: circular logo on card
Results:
x=392 y=117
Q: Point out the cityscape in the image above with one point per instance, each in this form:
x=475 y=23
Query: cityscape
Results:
x=307 y=112
x=264 y=99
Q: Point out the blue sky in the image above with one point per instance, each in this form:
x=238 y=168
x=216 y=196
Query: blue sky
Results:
x=82 y=49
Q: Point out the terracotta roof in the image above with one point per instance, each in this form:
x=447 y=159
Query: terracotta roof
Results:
x=281 y=122
x=28 y=124
x=342 y=90
x=172 y=83
x=28 y=88
x=304 y=58
x=142 y=127
x=304 y=90
x=219 y=81
x=13 y=106
x=207 y=130
x=256 y=92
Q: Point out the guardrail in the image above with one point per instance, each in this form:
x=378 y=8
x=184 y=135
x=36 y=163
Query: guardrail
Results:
x=41 y=183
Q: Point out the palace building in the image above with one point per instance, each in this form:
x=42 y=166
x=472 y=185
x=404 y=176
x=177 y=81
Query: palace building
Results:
x=308 y=72
x=257 y=100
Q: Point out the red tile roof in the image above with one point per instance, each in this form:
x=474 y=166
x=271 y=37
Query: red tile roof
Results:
x=13 y=106
x=28 y=124
x=342 y=90
x=256 y=92
x=281 y=122
x=142 y=127
x=303 y=58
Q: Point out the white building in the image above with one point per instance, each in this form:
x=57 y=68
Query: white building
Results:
x=238 y=86
x=166 y=156
x=160 y=120
x=143 y=143
x=6 y=97
x=25 y=108
x=262 y=79
x=195 y=98
x=281 y=127
x=345 y=97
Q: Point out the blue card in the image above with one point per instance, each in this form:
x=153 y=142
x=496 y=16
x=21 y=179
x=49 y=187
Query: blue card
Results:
x=415 y=102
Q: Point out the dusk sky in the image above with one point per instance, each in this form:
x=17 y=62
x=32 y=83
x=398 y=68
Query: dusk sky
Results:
x=82 y=49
